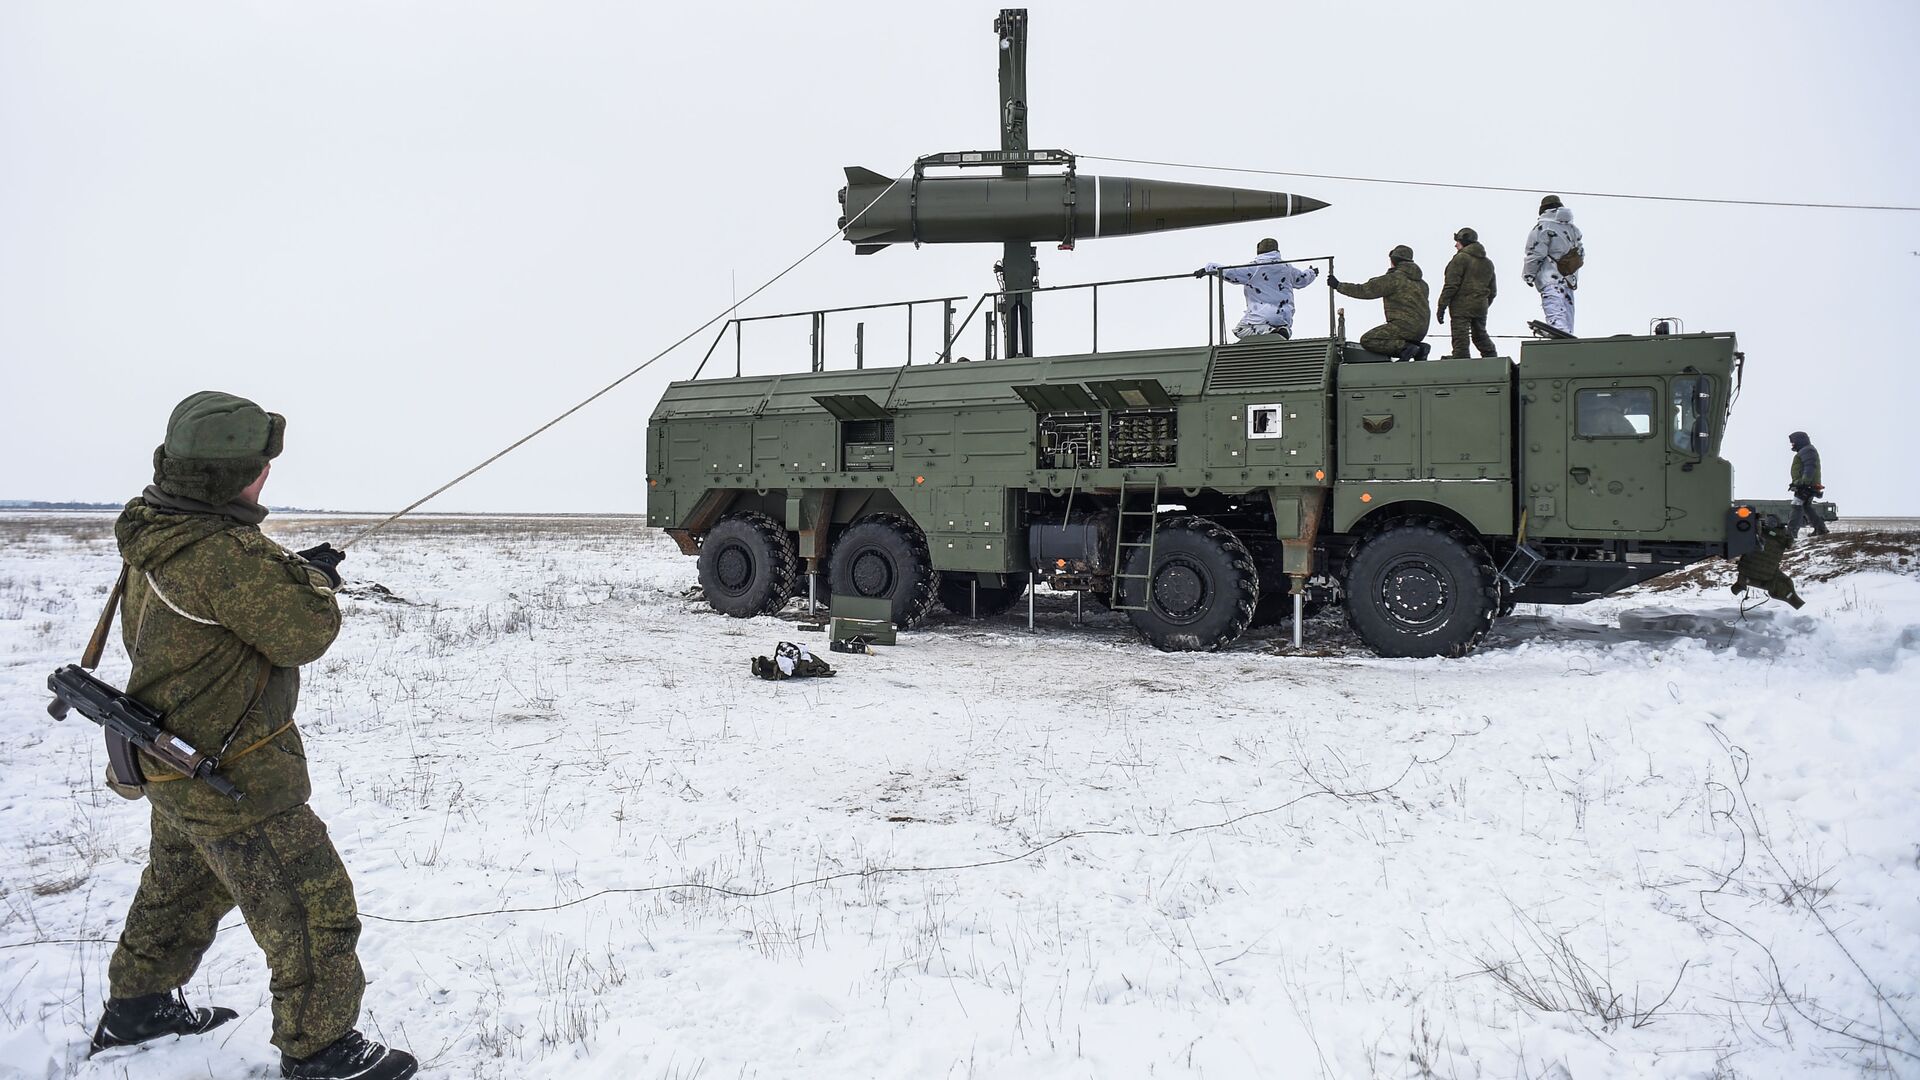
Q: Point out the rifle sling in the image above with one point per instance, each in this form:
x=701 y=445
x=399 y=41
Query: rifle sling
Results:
x=97 y=644
x=235 y=756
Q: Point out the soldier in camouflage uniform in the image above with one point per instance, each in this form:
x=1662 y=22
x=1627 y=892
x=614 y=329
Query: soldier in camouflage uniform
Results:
x=1555 y=242
x=1405 y=293
x=1761 y=566
x=1468 y=291
x=1804 y=482
x=218 y=620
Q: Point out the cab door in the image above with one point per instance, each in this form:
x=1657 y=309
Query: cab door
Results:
x=1616 y=457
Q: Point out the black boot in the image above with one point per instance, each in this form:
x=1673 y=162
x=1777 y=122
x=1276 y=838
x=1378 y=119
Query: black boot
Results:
x=351 y=1056
x=136 y=1019
x=1408 y=352
x=1421 y=350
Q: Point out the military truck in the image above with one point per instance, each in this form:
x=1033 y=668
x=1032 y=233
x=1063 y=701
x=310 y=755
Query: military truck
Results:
x=1202 y=490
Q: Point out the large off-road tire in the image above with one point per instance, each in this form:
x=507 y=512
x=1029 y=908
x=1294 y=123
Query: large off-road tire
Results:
x=957 y=596
x=885 y=555
x=747 y=565
x=1421 y=588
x=1204 y=586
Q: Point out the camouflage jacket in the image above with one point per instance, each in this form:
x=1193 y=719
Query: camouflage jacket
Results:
x=1469 y=287
x=1405 y=293
x=1806 y=467
x=218 y=620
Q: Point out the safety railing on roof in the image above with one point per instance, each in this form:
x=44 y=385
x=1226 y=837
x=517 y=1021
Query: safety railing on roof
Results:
x=950 y=333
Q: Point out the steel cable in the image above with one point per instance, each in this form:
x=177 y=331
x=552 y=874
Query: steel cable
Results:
x=603 y=391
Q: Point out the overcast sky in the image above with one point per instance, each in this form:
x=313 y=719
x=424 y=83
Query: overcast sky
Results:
x=421 y=229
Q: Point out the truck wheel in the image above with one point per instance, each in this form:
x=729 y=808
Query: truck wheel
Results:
x=747 y=565
x=1421 y=588
x=1204 y=586
x=885 y=555
x=957 y=597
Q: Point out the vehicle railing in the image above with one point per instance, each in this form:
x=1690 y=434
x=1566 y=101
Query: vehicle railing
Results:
x=1216 y=314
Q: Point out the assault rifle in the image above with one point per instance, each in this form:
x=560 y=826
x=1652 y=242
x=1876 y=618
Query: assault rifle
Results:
x=131 y=727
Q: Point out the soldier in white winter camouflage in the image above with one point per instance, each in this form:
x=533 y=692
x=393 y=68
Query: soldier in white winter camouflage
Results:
x=1555 y=253
x=1269 y=285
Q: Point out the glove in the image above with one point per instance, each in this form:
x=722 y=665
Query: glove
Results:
x=1530 y=283
x=1200 y=272
x=1332 y=281
x=1441 y=315
x=1739 y=586
x=325 y=558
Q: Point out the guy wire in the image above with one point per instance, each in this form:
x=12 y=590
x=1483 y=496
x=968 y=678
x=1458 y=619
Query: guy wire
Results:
x=603 y=391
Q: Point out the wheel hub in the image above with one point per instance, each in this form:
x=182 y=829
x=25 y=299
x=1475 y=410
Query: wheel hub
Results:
x=1414 y=592
x=872 y=574
x=734 y=568
x=1181 y=591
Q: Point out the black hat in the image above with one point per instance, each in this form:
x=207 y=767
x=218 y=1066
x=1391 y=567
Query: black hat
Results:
x=1551 y=202
x=1466 y=236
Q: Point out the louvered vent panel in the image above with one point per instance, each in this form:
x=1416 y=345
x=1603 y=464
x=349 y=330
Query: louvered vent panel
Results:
x=1281 y=365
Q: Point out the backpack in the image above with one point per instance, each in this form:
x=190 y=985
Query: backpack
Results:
x=1570 y=263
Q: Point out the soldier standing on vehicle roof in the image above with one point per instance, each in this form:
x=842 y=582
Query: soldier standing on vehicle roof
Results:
x=218 y=620
x=1805 y=484
x=1468 y=291
x=1269 y=287
x=1555 y=253
x=1405 y=293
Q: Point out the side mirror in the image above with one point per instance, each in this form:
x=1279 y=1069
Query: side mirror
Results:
x=1702 y=418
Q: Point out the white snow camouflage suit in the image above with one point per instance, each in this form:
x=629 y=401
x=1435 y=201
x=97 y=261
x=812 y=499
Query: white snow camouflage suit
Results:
x=1269 y=287
x=1553 y=237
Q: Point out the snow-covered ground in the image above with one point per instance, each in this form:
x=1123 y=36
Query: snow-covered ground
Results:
x=589 y=844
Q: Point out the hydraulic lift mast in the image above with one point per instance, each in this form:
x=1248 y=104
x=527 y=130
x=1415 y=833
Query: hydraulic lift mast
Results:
x=1018 y=270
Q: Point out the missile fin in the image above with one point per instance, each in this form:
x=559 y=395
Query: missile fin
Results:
x=858 y=175
x=868 y=249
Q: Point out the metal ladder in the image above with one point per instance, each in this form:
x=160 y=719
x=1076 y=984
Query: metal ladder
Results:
x=1121 y=544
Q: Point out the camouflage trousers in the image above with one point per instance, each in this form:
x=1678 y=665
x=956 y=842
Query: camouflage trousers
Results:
x=1470 y=329
x=1386 y=340
x=294 y=893
x=1556 y=302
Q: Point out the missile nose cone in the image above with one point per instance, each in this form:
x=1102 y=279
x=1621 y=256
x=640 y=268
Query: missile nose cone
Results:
x=1305 y=205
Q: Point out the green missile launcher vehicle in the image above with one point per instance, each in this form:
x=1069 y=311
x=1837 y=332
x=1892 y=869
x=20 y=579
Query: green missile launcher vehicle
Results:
x=1200 y=489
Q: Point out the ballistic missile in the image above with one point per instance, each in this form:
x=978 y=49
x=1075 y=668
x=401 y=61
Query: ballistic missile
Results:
x=1062 y=208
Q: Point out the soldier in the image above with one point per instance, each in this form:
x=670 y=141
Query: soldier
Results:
x=1555 y=253
x=1405 y=293
x=1761 y=566
x=1469 y=290
x=218 y=620
x=1805 y=484
x=1269 y=287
